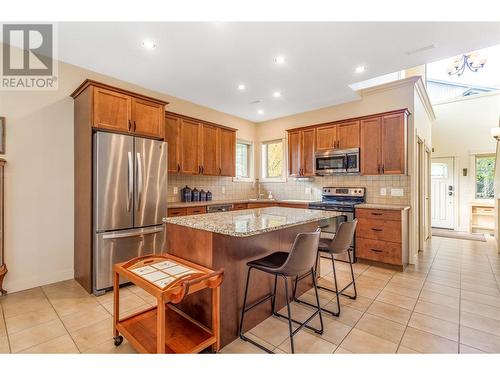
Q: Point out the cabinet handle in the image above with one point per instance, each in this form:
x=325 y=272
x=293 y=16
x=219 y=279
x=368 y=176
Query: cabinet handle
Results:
x=129 y=125
x=379 y=168
x=202 y=169
x=178 y=167
x=383 y=168
x=377 y=230
x=135 y=126
x=376 y=214
x=376 y=250
x=220 y=170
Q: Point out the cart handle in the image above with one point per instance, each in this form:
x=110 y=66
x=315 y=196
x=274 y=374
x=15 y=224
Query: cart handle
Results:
x=188 y=280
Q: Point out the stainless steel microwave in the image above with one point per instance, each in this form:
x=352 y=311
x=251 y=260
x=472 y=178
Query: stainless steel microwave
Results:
x=333 y=162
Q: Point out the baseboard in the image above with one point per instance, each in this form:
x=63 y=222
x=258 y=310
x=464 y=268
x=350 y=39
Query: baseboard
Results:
x=27 y=283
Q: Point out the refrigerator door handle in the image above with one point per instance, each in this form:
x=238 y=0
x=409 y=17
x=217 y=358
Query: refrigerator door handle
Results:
x=142 y=232
x=139 y=180
x=130 y=180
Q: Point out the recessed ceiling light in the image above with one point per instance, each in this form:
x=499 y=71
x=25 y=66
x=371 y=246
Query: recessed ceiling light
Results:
x=260 y=111
x=279 y=60
x=276 y=94
x=149 y=44
x=360 y=69
x=241 y=87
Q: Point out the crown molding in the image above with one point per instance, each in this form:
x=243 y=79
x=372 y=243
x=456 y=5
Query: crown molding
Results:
x=410 y=81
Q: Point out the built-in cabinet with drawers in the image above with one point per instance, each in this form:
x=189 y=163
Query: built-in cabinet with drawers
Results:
x=202 y=208
x=381 y=139
x=197 y=147
x=382 y=236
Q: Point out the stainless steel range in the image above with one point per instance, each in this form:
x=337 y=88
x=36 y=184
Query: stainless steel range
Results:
x=340 y=199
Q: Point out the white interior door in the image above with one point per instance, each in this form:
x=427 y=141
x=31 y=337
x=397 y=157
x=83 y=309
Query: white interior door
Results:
x=442 y=193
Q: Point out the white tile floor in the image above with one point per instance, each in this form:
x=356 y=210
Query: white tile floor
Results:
x=447 y=303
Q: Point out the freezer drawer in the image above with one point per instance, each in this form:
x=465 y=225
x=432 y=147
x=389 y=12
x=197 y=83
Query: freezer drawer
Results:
x=120 y=246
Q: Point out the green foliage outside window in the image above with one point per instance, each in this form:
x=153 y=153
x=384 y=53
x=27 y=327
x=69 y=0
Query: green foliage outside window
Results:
x=274 y=159
x=485 y=177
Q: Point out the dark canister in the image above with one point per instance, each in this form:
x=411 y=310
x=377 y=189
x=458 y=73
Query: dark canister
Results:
x=209 y=195
x=186 y=194
x=195 y=195
x=203 y=195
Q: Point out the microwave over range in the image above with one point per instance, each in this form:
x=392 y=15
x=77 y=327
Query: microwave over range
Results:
x=333 y=162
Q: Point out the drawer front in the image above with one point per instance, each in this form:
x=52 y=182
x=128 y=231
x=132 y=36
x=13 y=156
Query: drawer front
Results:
x=240 y=206
x=196 y=210
x=377 y=229
x=378 y=214
x=379 y=251
x=261 y=205
x=294 y=205
x=177 y=212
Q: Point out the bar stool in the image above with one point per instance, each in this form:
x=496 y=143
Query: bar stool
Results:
x=340 y=244
x=300 y=260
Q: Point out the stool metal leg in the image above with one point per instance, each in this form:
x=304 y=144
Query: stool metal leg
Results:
x=352 y=275
x=243 y=310
x=289 y=314
x=273 y=300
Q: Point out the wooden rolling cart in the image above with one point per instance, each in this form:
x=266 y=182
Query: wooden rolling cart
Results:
x=164 y=328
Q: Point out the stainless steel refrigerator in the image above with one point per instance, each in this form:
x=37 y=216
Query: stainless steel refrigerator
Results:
x=130 y=201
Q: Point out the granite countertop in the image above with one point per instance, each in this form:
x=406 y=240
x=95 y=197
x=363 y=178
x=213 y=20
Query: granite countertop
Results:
x=250 y=222
x=376 y=206
x=233 y=201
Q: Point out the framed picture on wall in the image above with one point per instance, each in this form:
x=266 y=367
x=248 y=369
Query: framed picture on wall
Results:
x=2 y=135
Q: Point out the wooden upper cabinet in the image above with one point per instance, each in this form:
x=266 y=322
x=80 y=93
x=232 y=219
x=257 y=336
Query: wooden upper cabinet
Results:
x=147 y=118
x=393 y=143
x=307 y=150
x=326 y=137
x=227 y=146
x=189 y=151
x=348 y=135
x=209 y=150
x=370 y=147
x=112 y=110
x=172 y=137
x=294 y=156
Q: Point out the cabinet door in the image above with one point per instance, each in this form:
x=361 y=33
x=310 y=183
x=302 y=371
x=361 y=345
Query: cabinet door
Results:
x=227 y=146
x=189 y=145
x=370 y=147
x=308 y=149
x=112 y=110
x=393 y=144
x=147 y=118
x=348 y=134
x=294 y=158
x=209 y=150
x=172 y=137
x=326 y=137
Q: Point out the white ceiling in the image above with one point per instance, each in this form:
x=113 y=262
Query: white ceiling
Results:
x=204 y=62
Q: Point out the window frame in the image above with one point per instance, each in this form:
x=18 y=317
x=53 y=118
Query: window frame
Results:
x=474 y=175
x=250 y=162
x=263 y=164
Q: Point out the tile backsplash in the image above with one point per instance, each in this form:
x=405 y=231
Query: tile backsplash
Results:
x=224 y=188
x=296 y=188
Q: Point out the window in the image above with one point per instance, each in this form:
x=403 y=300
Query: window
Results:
x=272 y=160
x=485 y=177
x=244 y=157
x=439 y=170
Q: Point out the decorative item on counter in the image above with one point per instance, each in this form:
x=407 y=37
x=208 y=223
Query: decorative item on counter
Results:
x=203 y=195
x=209 y=195
x=195 y=195
x=186 y=194
x=270 y=196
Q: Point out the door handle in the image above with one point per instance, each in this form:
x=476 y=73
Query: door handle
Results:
x=113 y=236
x=139 y=180
x=130 y=180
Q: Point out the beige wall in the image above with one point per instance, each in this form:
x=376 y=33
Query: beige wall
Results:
x=461 y=130
x=39 y=174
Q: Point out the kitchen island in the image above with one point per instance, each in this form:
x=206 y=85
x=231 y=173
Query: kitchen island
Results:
x=229 y=240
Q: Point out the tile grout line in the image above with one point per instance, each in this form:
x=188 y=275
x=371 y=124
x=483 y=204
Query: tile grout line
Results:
x=62 y=322
x=5 y=325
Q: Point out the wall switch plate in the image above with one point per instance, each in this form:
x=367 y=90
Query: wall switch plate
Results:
x=176 y=190
x=397 y=192
x=383 y=191
x=308 y=191
x=223 y=190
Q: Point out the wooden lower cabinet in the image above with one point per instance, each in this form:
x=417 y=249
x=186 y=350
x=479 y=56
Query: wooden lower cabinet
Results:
x=262 y=204
x=196 y=210
x=382 y=236
x=177 y=212
x=293 y=205
x=240 y=206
